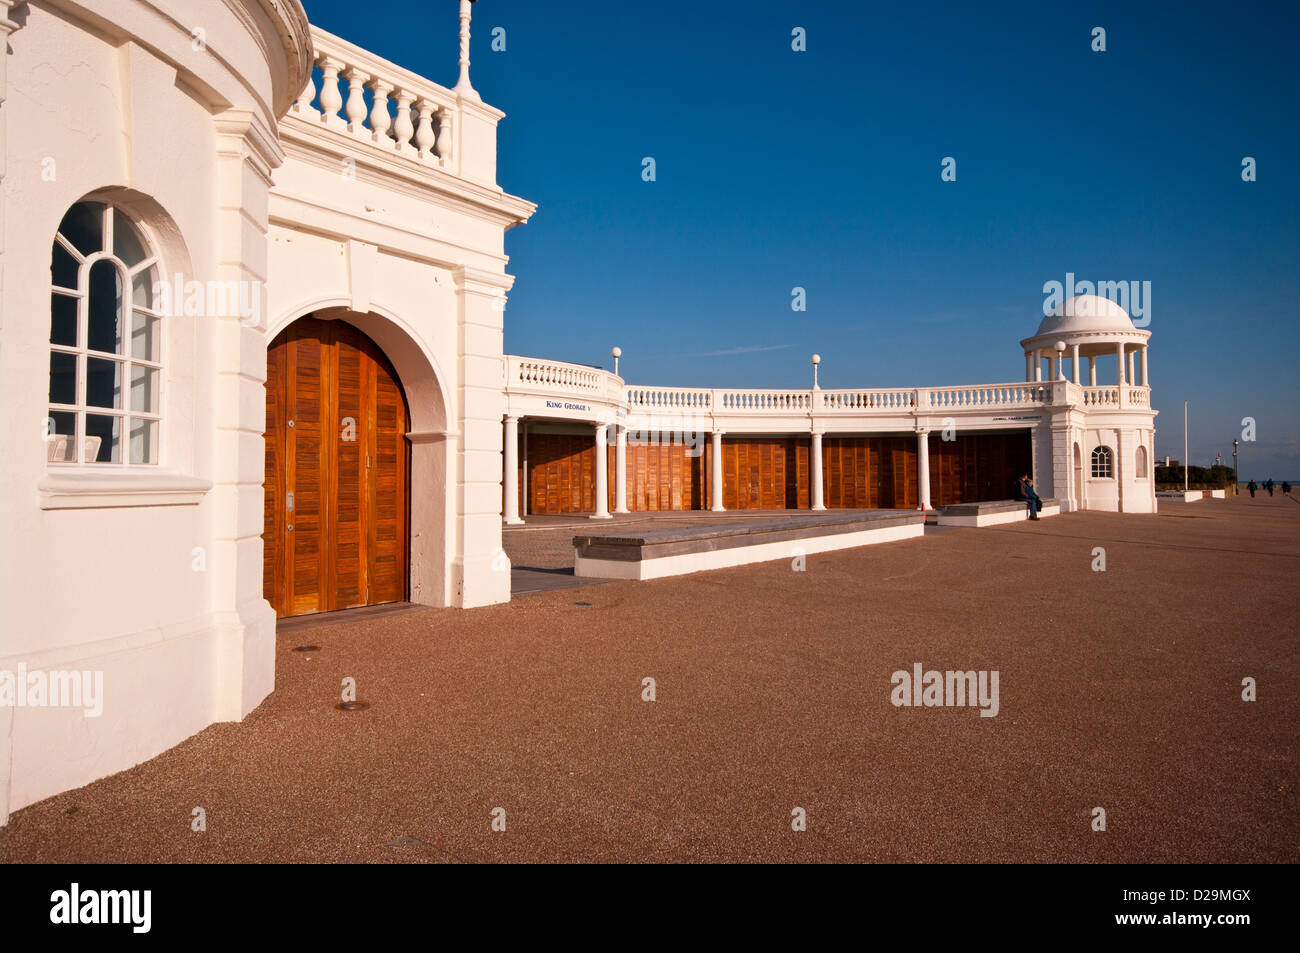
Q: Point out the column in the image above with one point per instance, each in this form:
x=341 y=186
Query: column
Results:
x=1074 y=361
x=1038 y=365
x=1132 y=378
x=1121 y=390
x=923 y=467
x=1029 y=368
x=1146 y=381
x=511 y=482
x=715 y=474
x=474 y=570
x=620 y=468
x=1092 y=371
x=602 y=473
x=815 y=468
x=231 y=361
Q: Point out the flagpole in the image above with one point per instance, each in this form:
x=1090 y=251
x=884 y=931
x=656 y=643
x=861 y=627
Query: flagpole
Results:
x=1184 y=446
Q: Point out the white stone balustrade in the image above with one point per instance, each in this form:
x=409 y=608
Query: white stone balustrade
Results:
x=866 y=401
x=1101 y=396
x=669 y=398
x=762 y=401
x=995 y=395
x=407 y=115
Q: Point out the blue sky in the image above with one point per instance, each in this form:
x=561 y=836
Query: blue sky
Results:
x=821 y=169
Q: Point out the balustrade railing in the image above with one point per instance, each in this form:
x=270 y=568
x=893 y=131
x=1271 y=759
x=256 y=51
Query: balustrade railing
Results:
x=554 y=375
x=386 y=106
x=1101 y=396
x=669 y=399
x=992 y=395
x=557 y=376
x=762 y=401
x=865 y=401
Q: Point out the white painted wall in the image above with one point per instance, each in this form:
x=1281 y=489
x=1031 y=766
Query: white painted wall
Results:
x=115 y=96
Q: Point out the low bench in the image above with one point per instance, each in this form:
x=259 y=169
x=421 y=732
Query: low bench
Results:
x=993 y=512
x=674 y=551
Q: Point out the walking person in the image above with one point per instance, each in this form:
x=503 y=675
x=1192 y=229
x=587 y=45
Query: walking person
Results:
x=1268 y=485
x=1252 y=486
x=1286 y=488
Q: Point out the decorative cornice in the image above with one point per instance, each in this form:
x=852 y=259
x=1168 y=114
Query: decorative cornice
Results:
x=321 y=146
x=1086 y=337
x=294 y=35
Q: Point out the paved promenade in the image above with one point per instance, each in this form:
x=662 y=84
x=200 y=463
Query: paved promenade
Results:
x=1118 y=689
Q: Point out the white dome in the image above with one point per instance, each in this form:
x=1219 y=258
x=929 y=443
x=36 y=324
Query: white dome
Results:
x=1086 y=313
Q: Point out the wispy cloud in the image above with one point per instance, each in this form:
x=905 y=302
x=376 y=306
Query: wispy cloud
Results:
x=745 y=349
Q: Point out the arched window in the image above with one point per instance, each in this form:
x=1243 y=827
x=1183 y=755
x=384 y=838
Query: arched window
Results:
x=1102 y=463
x=1140 y=467
x=105 y=368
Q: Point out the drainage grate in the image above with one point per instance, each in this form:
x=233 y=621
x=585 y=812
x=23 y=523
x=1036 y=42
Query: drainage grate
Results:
x=307 y=648
x=352 y=706
x=582 y=603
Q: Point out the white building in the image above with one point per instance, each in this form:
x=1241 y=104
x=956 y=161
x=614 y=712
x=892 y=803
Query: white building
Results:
x=267 y=375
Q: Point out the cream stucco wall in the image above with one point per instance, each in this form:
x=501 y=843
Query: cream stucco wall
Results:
x=115 y=100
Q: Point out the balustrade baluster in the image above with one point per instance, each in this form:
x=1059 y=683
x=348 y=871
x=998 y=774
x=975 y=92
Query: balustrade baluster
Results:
x=379 y=117
x=356 y=107
x=424 y=135
x=303 y=105
x=331 y=100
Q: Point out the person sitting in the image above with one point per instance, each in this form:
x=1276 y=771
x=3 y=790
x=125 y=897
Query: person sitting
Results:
x=1025 y=491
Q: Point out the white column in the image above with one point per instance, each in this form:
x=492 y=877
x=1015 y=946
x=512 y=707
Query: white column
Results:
x=923 y=467
x=1074 y=361
x=1122 y=389
x=1092 y=371
x=1146 y=381
x=620 y=468
x=815 y=468
x=602 y=473
x=1132 y=378
x=715 y=476
x=1029 y=367
x=511 y=453
x=1038 y=365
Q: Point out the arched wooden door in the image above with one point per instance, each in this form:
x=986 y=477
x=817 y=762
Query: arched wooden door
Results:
x=337 y=472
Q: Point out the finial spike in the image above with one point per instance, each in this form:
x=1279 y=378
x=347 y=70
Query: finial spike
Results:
x=463 y=86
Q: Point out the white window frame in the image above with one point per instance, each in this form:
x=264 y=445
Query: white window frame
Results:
x=125 y=360
x=1106 y=456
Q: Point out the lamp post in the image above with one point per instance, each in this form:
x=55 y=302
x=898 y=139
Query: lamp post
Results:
x=1235 y=479
x=616 y=352
x=816 y=359
x=1060 y=360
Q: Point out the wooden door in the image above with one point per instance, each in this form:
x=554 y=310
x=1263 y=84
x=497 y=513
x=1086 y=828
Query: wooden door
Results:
x=337 y=471
x=662 y=475
x=561 y=473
